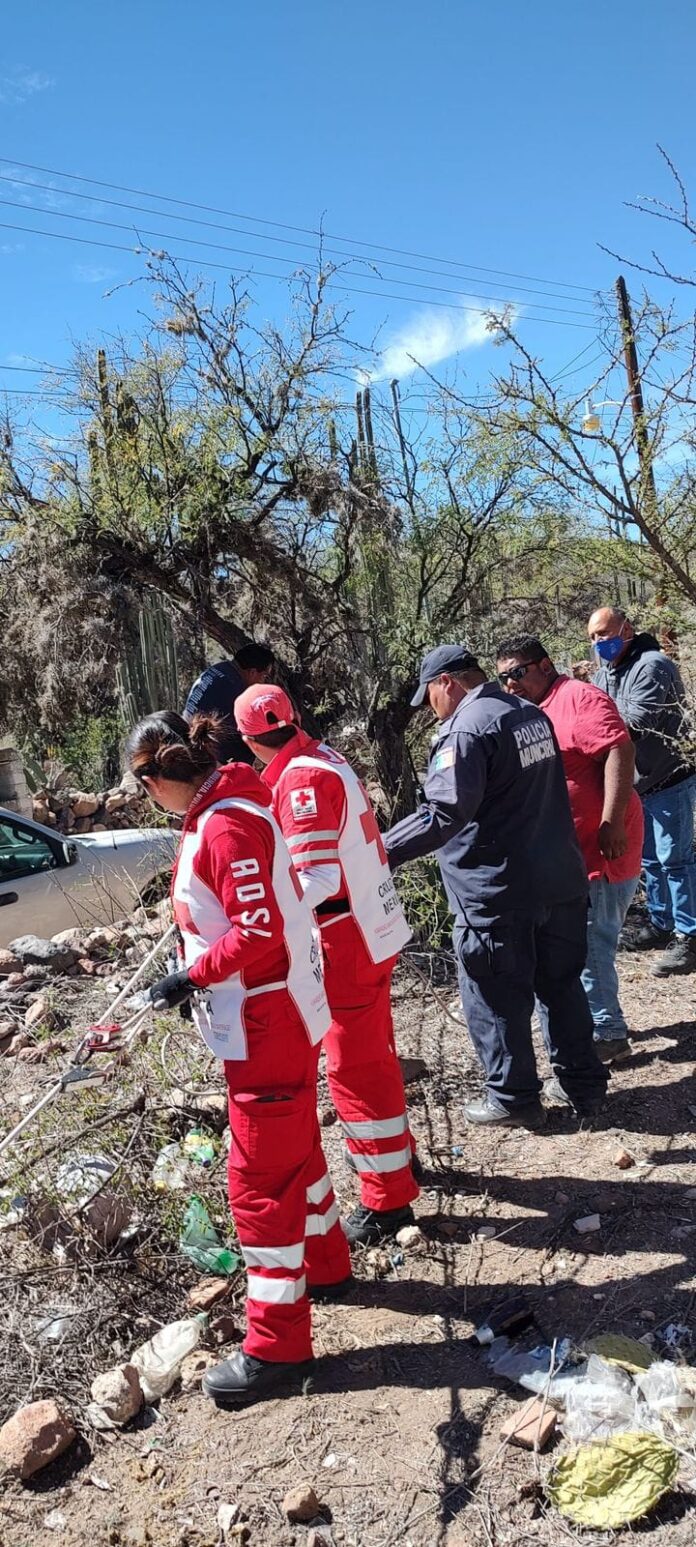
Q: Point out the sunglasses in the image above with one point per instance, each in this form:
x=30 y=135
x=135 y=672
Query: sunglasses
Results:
x=515 y=674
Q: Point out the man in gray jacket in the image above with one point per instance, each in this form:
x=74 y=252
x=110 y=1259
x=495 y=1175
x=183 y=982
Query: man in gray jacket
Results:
x=648 y=691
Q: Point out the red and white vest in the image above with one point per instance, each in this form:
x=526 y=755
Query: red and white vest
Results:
x=373 y=898
x=218 y=1011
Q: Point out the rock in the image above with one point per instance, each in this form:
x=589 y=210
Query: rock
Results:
x=224 y=1329
x=33 y=1437
x=7 y=1031
x=587 y=1225
x=41 y=1013
x=99 y=940
x=227 y=1516
x=55 y=1521
x=34 y=974
x=33 y=951
x=9 y=963
x=531 y=1427
x=41 y=812
x=115 y=801
x=131 y=787
x=561 y=1198
x=623 y=1160
x=327 y=1117
x=413 y=1069
x=212 y=1108
x=118 y=1393
x=486 y=1233
x=319 y=1536
x=84 y=805
x=88 y=967
x=301 y=1503
x=411 y=1235
x=194 y=1366
x=38 y=1052
x=70 y=937
x=20 y=1041
x=206 y=1294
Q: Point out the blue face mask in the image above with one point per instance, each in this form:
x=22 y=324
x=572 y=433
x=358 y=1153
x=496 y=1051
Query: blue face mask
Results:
x=609 y=649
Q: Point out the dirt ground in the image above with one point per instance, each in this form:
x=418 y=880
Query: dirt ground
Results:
x=398 y=1429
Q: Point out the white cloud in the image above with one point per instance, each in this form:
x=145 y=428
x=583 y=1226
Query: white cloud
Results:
x=8 y=247
x=92 y=273
x=431 y=336
x=19 y=84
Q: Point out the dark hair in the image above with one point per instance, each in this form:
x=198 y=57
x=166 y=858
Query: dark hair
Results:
x=165 y=746
x=254 y=657
x=277 y=738
x=526 y=645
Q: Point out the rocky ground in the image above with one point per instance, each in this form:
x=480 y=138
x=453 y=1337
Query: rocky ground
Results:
x=398 y=1430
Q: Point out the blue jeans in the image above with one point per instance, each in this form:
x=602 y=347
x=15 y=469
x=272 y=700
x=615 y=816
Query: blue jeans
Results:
x=609 y=904
x=668 y=857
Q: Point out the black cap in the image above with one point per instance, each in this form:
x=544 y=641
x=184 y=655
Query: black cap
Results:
x=445 y=658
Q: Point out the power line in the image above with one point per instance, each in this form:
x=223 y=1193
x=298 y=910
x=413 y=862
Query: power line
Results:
x=246 y=252
x=280 y=225
x=215 y=225
x=209 y=263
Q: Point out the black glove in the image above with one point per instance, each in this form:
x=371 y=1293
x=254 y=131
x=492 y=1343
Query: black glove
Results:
x=171 y=991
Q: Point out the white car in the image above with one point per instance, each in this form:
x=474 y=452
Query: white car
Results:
x=49 y=882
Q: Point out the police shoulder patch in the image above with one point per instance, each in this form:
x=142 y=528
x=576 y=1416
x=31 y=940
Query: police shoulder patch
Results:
x=444 y=758
x=303 y=802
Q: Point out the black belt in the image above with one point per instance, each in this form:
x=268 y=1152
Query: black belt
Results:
x=332 y=909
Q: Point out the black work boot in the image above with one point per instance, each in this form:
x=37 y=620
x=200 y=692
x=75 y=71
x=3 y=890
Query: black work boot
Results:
x=613 y=1050
x=367 y=1227
x=679 y=958
x=323 y=1294
x=486 y=1111
x=649 y=938
x=243 y=1378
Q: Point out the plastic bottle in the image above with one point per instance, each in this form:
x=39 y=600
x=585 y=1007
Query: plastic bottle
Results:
x=159 y=1361
x=199 y=1146
x=170 y=1171
x=200 y=1242
x=531 y=1367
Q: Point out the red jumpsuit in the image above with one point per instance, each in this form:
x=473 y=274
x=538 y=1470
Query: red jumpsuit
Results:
x=362 y=1065
x=226 y=890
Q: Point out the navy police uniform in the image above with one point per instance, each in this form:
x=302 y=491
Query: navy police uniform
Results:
x=496 y=810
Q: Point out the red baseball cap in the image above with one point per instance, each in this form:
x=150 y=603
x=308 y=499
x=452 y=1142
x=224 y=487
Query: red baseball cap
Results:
x=263 y=707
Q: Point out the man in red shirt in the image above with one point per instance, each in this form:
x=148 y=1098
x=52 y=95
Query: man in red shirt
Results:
x=599 y=762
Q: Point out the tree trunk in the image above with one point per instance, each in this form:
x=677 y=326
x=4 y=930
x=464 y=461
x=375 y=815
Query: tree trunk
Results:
x=386 y=731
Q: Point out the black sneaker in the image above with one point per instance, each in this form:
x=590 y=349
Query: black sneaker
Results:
x=367 y=1227
x=488 y=1112
x=323 y=1294
x=613 y=1050
x=416 y=1166
x=649 y=938
x=243 y=1378
x=679 y=958
x=554 y=1093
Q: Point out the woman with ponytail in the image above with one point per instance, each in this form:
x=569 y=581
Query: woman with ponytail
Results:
x=252 y=971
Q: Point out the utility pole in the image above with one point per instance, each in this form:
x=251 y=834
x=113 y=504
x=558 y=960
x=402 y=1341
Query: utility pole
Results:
x=668 y=636
x=636 y=394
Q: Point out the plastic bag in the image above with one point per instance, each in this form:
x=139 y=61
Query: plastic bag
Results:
x=670 y=1395
x=602 y=1404
x=531 y=1368
x=200 y=1242
x=159 y=1361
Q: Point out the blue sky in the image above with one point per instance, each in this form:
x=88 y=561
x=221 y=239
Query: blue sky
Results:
x=496 y=135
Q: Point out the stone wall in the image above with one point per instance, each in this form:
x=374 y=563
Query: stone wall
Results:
x=77 y=811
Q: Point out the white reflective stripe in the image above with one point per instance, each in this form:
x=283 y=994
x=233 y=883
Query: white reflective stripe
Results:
x=377 y=1128
x=274 y=1256
x=319 y=1190
x=337 y=919
x=309 y=837
x=391 y=1162
x=321 y=1224
x=276 y=1291
x=266 y=988
x=313 y=854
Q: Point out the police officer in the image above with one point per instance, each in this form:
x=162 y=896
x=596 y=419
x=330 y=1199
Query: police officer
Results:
x=496 y=810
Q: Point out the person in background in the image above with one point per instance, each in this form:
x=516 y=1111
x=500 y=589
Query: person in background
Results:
x=330 y=829
x=648 y=691
x=252 y=969
x=496 y=811
x=599 y=762
x=215 y=691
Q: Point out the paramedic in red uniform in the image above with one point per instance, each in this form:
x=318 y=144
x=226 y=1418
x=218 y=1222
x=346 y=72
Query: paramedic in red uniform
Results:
x=330 y=829
x=251 y=967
